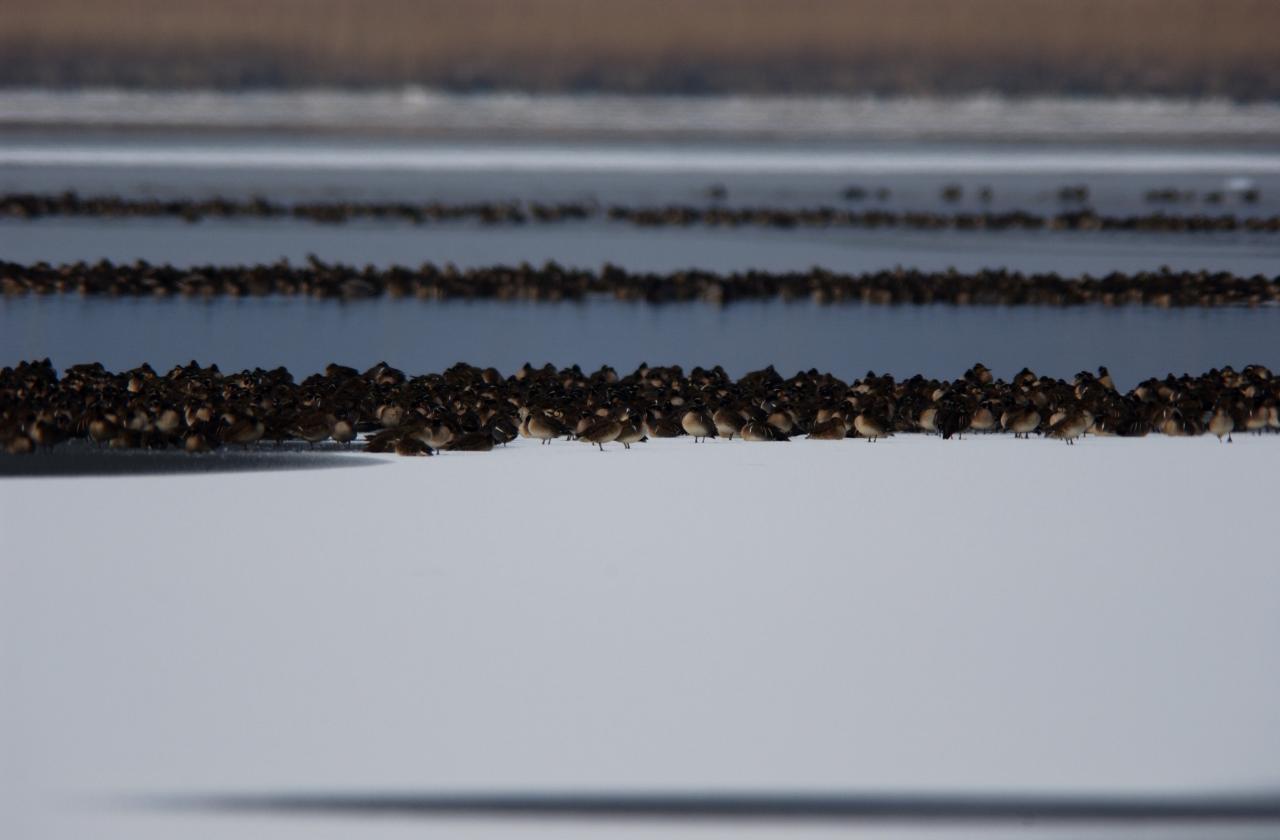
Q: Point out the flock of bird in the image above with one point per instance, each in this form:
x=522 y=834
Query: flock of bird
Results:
x=32 y=206
x=475 y=409
x=553 y=282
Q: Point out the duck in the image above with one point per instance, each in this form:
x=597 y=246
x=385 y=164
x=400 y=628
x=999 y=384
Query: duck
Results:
x=603 y=430
x=480 y=441
x=1021 y=421
x=870 y=426
x=1222 y=424
x=344 y=431
x=630 y=433
x=833 y=428
x=243 y=431
x=698 y=424
x=659 y=426
x=195 y=442
x=314 y=428
x=1071 y=425
x=760 y=431
x=383 y=441
x=545 y=428
x=728 y=422
x=411 y=446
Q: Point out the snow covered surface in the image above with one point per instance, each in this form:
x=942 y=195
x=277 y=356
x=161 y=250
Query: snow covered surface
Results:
x=425 y=111
x=985 y=615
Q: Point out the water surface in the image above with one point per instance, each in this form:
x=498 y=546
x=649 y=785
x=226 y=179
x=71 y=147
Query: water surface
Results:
x=847 y=339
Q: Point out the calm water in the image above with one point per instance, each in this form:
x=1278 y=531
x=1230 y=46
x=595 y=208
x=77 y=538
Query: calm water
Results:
x=590 y=244
x=419 y=336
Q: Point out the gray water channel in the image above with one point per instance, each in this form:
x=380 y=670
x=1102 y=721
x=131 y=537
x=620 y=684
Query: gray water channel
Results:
x=423 y=336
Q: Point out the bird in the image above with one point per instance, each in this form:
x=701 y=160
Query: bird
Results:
x=1222 y=424
x=412 y=446
x=602 y=431
x=544 y=427
x=697 y=423
x=870 y=426
x=630 y=433
x=1021 y=421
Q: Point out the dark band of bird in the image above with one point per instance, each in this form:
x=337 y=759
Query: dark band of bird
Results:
x=1073 y=218
x=470 y=408
x=554 y=282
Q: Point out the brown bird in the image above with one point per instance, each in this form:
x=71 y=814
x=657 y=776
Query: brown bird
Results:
x=630 y=433
x=759 y=431
x=830 y=429
x=698 y=423
x=1222 y=424
x=314 y=427
x=728 y=422
x=1072 y=425
x=870 y=427
x=411 y=446
x=602 y=431
x=1021 y=421
x=545 y=428
x=244 y=431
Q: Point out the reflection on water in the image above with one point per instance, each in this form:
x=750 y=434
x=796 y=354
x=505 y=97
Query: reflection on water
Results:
x=80 y=459
x=848 y=340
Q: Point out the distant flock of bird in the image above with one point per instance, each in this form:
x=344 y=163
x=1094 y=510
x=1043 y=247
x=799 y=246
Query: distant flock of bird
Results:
x=32 y=206
x=470 y=408
x=553 y=282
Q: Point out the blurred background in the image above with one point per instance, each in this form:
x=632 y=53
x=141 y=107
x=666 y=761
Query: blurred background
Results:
x=1201 y=48
x=1121 y=107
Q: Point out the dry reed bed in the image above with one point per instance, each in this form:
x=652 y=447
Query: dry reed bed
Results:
x=1193 y=47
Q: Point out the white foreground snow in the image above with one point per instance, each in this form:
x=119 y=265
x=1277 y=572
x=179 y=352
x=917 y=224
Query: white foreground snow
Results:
x=982 y=615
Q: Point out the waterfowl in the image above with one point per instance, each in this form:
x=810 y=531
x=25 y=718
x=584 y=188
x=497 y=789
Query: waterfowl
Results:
x=928 y=420
x=384 y=441
x=19 y=445
x=313 y=428
x=479 y=404
x=44 y=434
x=630 y=433
x=832 y=428
x=759 y=431
x=983 y=419
x=1021 y=421
x=196 y=442
x=1222 y=424
x=870 y=427
x=344 y=431
x=243 y=431
x=698 y=424
x=390 y=415
x=481 y=441
x=438 y=434
x=544 y=428
x=728 y=422
x=412 y=446
x=602 y=431
x=781 y=419
x=503 y=430
x=102 y=430
x=952 y=419
x=662 y=426
x=1070 y=426
x=168 y=421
